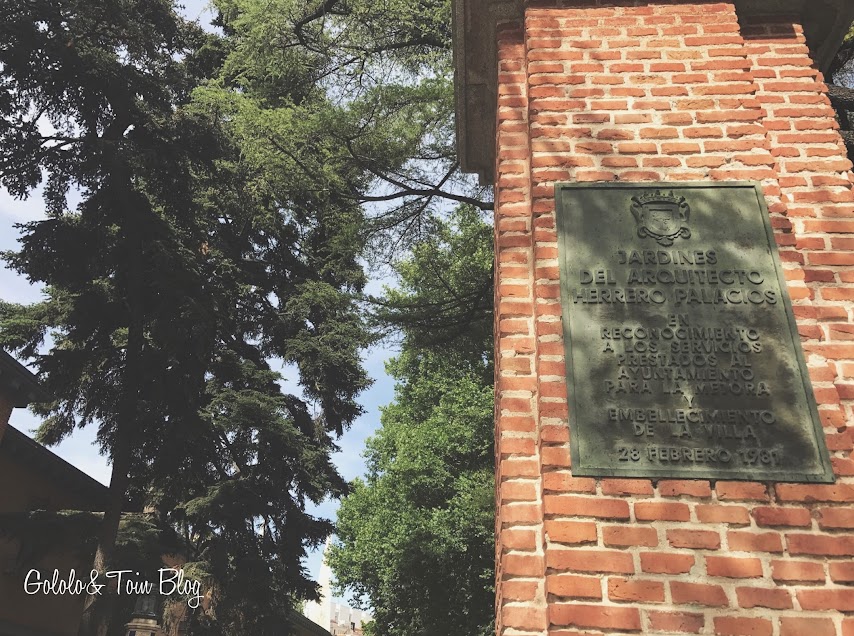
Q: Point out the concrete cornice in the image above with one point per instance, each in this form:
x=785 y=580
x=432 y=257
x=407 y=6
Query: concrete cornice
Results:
x=475 y=76
x=475 y=62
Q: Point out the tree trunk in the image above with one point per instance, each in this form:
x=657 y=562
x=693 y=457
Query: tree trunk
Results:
x=98 y=609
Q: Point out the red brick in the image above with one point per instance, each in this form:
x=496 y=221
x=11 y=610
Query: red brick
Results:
x=518 y=491
x=683 y=622
x=772 y=598
x=554 y=434
x=662 y=511
x=697 y=539
x=625 y=536
x=842 y=572
x=634 y=590
x=774 y=516
x=523 y=565
x=632 y=118
x=595 y=616
x=680 y=148
x=772 y=59
x=705 y=161
x=555 y=455
x=834 y=518
x=562 y=481
x=627 y=487
x=525 y=617
x=520 y=365
x=804 y=626
x=519 y=467
x=740 y=626
x=619 y=162
x=595 y=175
x=519 y=590
x=716 y=116
x=837 y=492
x=574 y=532
x=574 y=586
x=733 y=567
x=836 y=293
x=514 y=308
x=712 y=513
x=820 y=545
x=593 y=147
x=831 y=313
x=518 y=539
x=698 y=594
x=666 y=562
x=788 y=571
x=516 y=445
x=661 y=132
x=636 y=148
x=690 y=488
x=578 y=560
x=829 y=226
x=740 y=490
x=754 y=541
x=841 y=600
x=586 y=506
x=661 y=162
x=519 y=405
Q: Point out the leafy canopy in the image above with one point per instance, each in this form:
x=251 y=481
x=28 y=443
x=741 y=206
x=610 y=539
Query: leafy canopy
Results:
x=190 y=271
x=416 y=535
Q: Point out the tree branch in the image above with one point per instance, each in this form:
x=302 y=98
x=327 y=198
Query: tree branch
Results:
x=407 y=190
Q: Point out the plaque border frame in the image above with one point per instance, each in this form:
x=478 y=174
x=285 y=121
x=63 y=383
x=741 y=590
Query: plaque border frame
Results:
x=564 y=230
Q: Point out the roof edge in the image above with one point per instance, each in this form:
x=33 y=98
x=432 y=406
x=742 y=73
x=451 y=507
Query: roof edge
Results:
x=19 y=383
x=24 y=448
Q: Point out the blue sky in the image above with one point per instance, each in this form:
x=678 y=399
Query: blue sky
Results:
x=79 y=449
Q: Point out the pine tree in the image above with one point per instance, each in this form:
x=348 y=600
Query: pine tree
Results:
x=179 y=282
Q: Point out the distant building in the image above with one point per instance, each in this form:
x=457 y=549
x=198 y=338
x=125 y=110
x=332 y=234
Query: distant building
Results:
x=337 y=618
x=347 y=621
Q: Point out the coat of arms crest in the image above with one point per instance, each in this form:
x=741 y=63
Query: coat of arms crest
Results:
x=661 y=216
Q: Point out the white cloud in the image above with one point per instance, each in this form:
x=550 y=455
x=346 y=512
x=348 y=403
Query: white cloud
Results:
x=14 y=210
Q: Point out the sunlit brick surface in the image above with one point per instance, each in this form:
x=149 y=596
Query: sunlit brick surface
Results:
x=640 y=91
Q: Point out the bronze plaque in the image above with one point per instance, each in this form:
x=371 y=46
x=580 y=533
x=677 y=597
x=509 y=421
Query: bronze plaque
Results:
x=683 y=356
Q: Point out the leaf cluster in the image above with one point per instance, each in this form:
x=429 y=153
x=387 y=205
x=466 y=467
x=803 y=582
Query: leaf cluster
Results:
x=416 y=535
x=384 y=133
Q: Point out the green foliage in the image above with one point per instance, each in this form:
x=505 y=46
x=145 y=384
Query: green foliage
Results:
x=219 y=234
x=416 y=535
x=444 y=300
x=192 y=267
x=40 y=533
x=384 y=134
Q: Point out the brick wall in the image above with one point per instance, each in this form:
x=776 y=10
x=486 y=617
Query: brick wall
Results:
x=669 y=91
